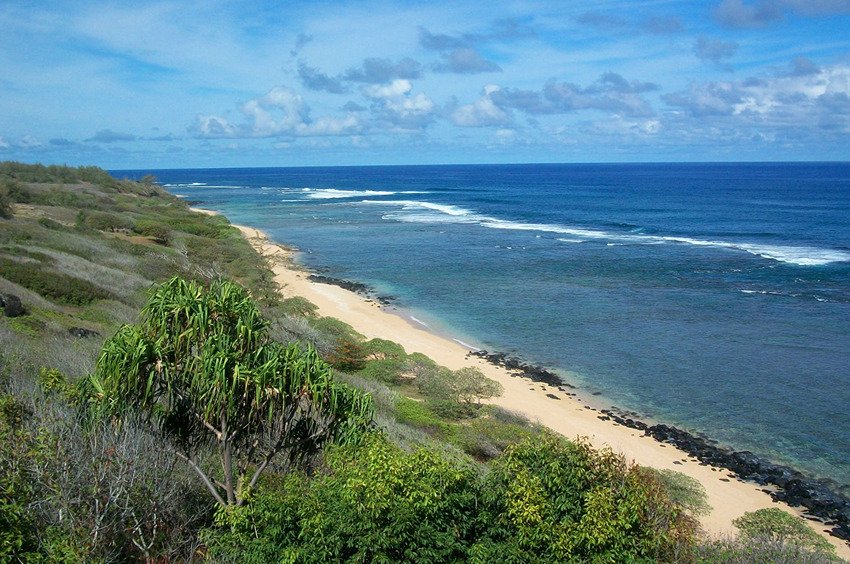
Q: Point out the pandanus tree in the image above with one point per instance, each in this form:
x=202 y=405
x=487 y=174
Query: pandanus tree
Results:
x=201 y=368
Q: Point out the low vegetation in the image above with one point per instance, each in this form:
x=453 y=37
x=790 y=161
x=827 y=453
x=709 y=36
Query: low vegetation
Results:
x=159 y=401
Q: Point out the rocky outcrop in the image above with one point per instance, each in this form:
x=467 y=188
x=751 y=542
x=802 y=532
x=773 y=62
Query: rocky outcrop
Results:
x=12 y=306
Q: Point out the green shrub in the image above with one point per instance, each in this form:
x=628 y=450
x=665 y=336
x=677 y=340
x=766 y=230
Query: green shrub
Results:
x=15 y=191
x=487 y=437
x=550 y=498
x=466 y=386
x=50 y=224
x=5 y=204
x=377 y=504
x=298 y=306
x=774 y=524
x=51 y=284
x=686 y=492
x=157 y=231
x=335 y=329
x=387 y=370
x=108 y=222
x=420 y=415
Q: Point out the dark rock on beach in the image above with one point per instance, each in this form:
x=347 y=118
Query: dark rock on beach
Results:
x=355 y=287
x=534 y=373
x=818 y=498
x=12 y=306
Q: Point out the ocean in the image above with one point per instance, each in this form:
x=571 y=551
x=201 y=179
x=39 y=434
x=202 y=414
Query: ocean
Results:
x=714 y=297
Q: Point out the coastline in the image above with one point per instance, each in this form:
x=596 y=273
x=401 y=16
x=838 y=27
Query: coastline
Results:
x=558 y=409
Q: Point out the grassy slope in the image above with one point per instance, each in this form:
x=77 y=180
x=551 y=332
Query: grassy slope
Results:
x=81 y=249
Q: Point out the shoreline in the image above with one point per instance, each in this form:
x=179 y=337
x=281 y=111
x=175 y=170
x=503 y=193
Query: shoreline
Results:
x=561 y=410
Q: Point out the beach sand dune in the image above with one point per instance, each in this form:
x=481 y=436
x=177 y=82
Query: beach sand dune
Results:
x=572 y=417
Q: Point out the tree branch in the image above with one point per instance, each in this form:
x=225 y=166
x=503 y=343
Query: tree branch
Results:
x=203 y=477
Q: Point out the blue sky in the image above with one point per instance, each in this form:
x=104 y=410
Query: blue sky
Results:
x=206 y=84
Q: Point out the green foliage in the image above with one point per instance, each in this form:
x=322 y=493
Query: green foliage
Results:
x=157 y=231
x=564 y=501
x=336 y=329
x=17 y=534
x=377 y=504
x=686 y=492
x=776 y=525
x=52 y=284
x=298 y=306
x=466 y=386
x=487 y=437
x=103 y=221
x=5 y=203
x=15 y=191
x=420 y=415
x=201 y=368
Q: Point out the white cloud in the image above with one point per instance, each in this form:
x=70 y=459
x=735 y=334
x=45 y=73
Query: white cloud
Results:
x=482 y=112
x=280 y=112
x=395 y=108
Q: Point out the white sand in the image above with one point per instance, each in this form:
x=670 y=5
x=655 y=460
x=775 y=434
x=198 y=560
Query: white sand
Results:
x=728 y=496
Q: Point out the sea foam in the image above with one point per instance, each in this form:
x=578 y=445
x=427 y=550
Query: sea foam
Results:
x=335 y=194
x=414 y=211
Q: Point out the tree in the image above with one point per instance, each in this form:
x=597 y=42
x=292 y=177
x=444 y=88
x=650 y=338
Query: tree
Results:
x=201 y=369
x=471 y=385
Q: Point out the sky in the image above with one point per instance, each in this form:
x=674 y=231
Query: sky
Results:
x=183 y=84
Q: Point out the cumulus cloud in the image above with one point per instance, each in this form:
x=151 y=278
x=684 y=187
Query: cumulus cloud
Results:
x=465 y=61
x=394 y=107
x=715 y=51
x=61 y=142
x=281 y=112
x=4 y=144
x=737 y=13
x=110 y=136
x=483 y=112
x=376 y=71
x=818 y=98
x=611 y=93
x=313 y=79
x=213 y=126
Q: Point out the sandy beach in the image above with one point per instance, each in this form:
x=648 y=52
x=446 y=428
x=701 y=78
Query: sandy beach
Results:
x=573 y=417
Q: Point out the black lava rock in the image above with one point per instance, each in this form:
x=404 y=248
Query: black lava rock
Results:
x=12 y=306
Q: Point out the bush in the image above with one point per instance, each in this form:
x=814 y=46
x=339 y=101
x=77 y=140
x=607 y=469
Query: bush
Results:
x=157 y=231
x=466 y=386
x=419 y=415
x=298 y=306
x=5 y=204
x=377 y=504
x=776 y=525
x=558 y=500
x=686 y=492
x=51 y=284
x=108 y=222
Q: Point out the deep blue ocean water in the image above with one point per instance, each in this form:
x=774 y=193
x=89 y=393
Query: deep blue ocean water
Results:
x=715 y=297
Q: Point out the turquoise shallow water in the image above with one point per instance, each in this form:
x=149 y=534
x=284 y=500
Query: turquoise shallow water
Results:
x=712 y=296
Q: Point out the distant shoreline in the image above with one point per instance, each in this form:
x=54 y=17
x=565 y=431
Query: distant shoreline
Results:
x=560 y=410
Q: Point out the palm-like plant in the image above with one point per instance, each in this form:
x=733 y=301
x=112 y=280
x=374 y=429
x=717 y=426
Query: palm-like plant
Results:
x=200 y=367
